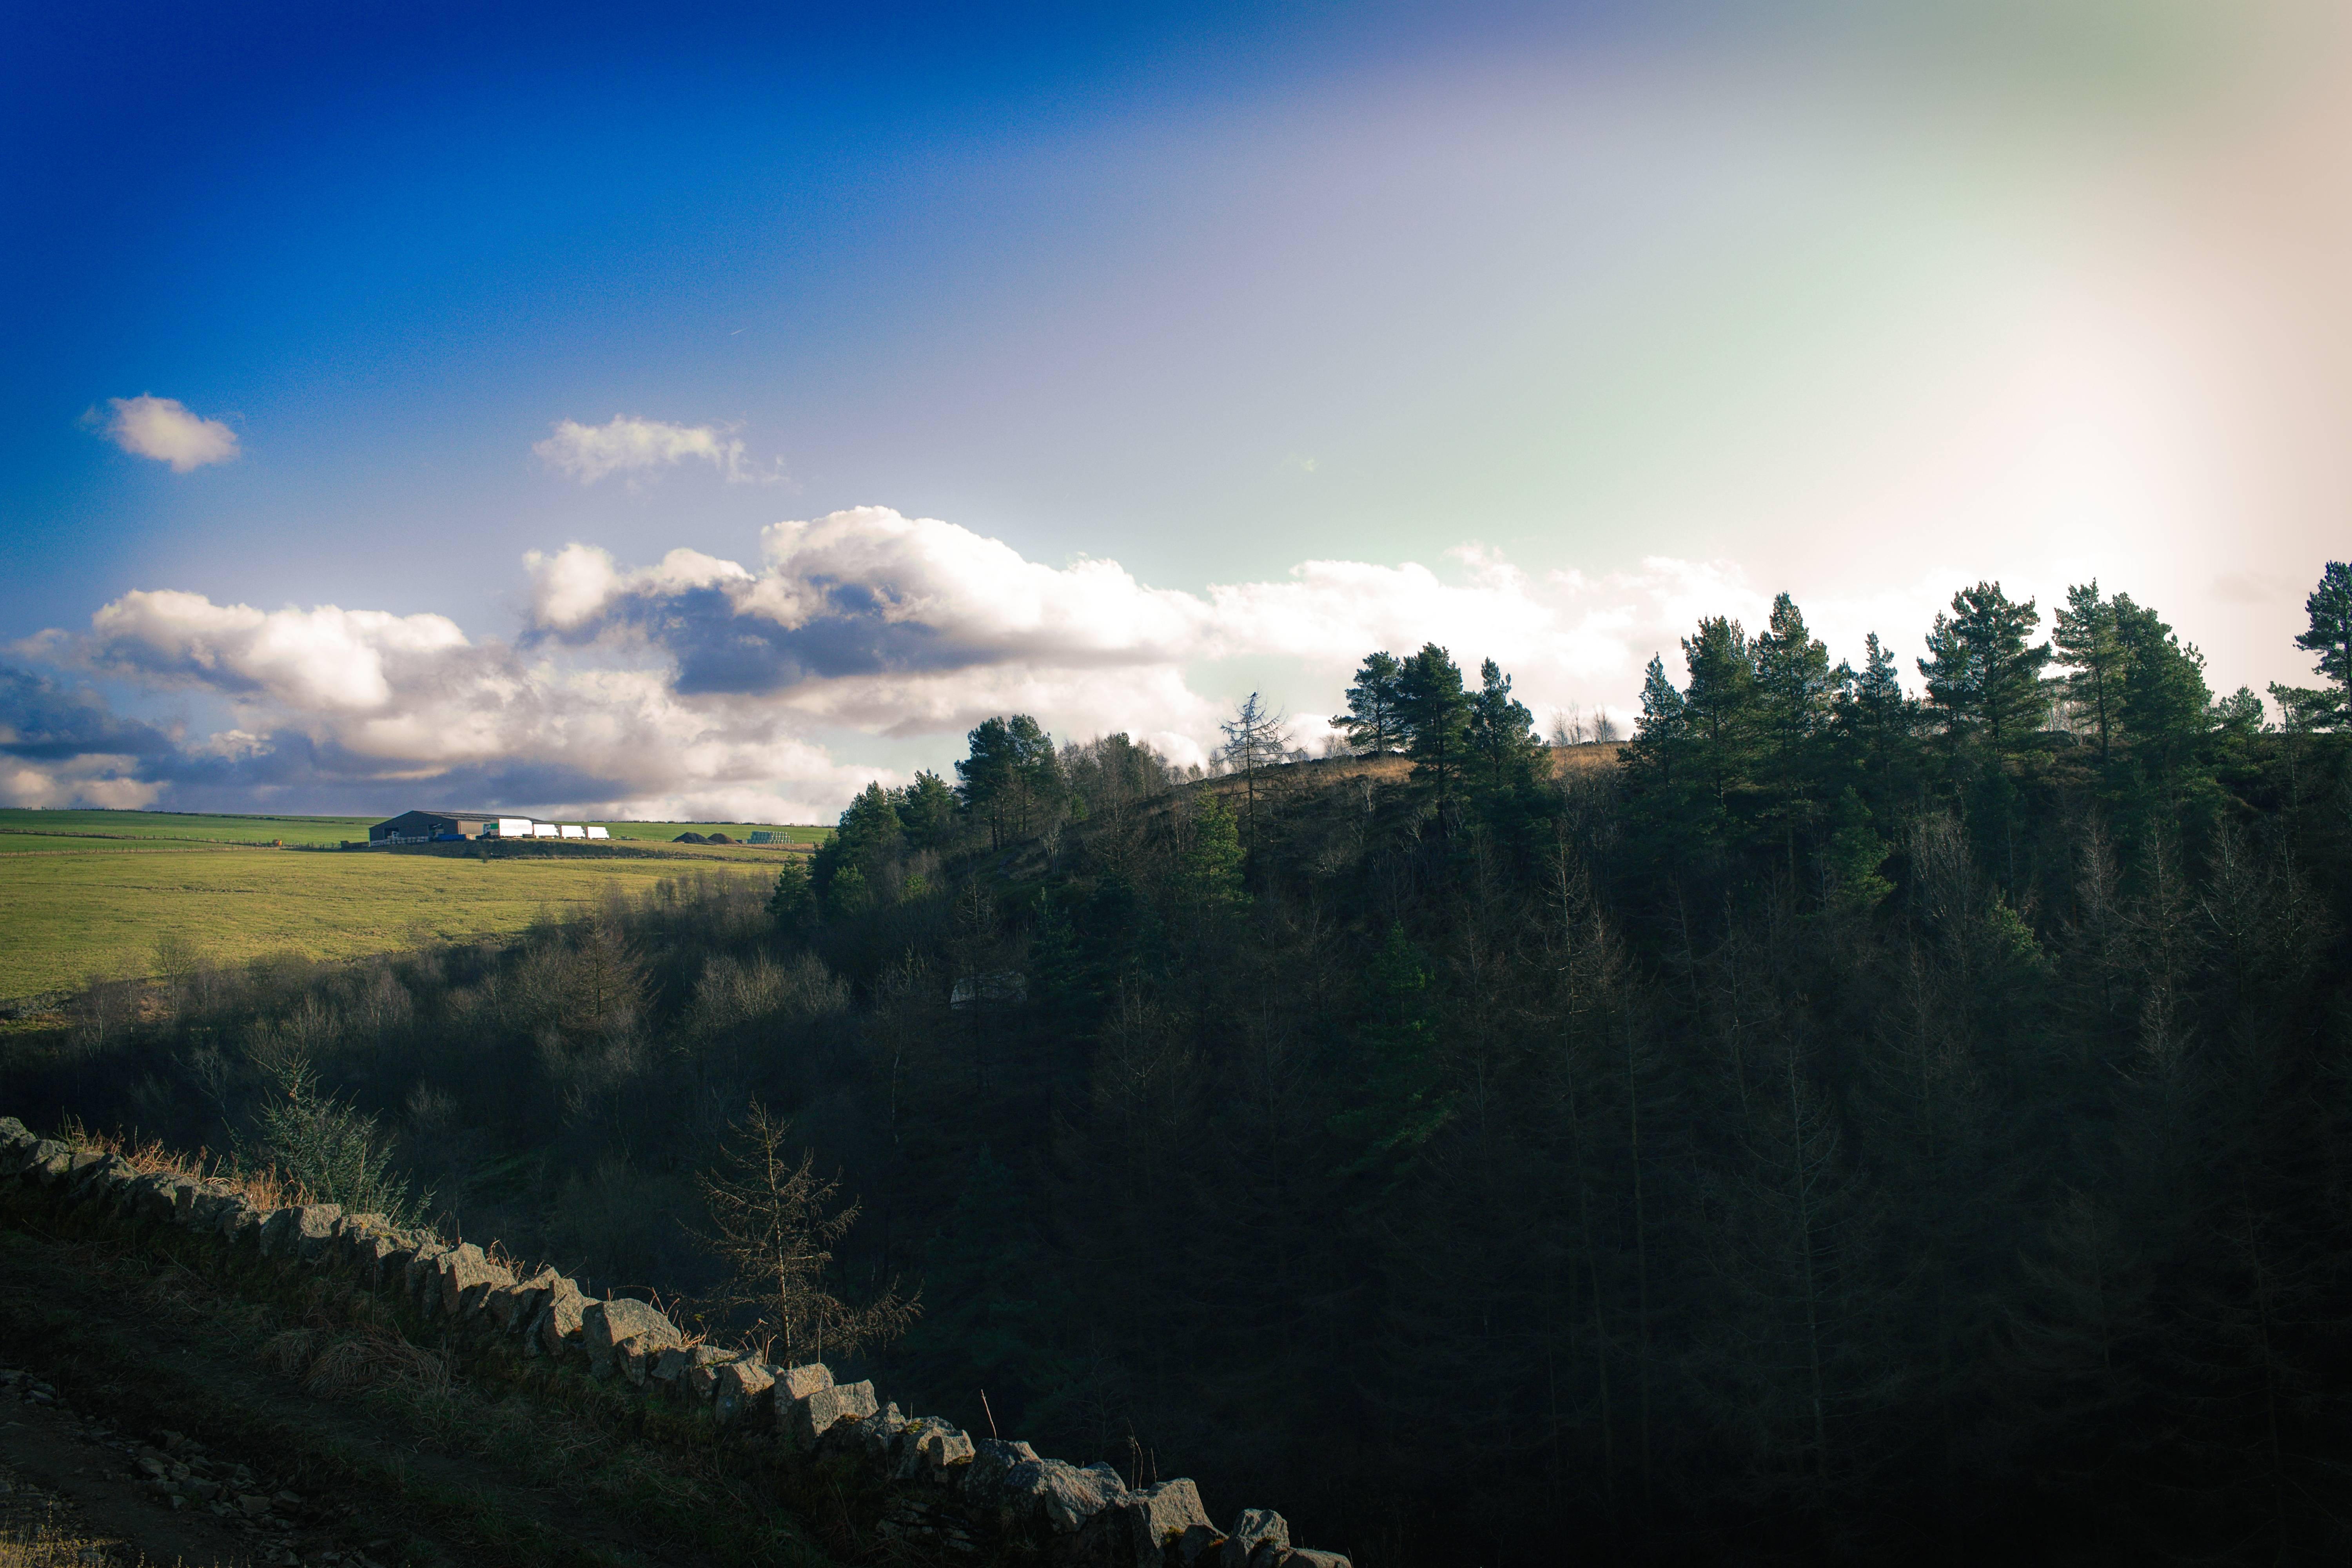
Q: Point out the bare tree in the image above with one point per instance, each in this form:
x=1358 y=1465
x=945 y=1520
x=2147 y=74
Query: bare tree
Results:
x=776 y=1226
x=1256 y=736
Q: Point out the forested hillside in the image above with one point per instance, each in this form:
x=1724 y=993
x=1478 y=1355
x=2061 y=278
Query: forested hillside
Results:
x=1839 y=1125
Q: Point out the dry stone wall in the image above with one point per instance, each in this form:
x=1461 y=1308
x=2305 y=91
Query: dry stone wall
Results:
x=953 y=1494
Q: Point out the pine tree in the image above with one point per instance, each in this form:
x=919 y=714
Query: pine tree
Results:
x=2165 y=702
x=926 y=809
x=1878 y=722
x=1983 y=672
x=1721 y=710
x=1436 y=713
x=1502 y=733
x=793 y=905
x=1792 y=679
x=1663 y=723
x=2084 y=640
x=1374 y=721
x=1013 y=777
x=2329 y=635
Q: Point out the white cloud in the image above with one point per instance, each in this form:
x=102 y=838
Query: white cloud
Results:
x=163 y=428
x=95 y=779
x=701 y=686
x=869 y=620
x=624 y=444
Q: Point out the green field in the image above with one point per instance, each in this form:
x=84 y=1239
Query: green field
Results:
x=23 y=829
x=89 y=892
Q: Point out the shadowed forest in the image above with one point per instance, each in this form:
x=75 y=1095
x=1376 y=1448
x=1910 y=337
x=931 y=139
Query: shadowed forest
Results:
x=1835 y=1124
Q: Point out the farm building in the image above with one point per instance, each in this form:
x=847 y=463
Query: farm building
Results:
x=424 y=826
x=431 y=827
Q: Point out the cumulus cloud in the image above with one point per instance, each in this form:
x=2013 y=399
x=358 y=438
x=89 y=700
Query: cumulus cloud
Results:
x=868 y=619
x=164 y=429
x=61 y=746
x=624 y=444
x=703 y=687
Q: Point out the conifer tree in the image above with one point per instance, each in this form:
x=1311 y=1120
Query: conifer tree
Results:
x=2085 y=640
x=2328 y=635
x=1792 y=679
x=1013 y=777
x=1983 y=672
x=1436 y=713
x=1374 y=721
x=1501 y=731
x=1721 y=709
x=926 y=809
x=1664 y=719
x=2166 y=704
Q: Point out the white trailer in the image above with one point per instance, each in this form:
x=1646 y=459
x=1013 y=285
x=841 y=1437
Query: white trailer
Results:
x=598 y=833
x=545 y=830
x=573 y=830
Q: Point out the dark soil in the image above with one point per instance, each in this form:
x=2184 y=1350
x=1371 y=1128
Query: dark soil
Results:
x=122 y=1357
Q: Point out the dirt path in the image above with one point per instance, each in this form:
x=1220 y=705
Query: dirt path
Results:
x=82 y=1478
x=135 y=1382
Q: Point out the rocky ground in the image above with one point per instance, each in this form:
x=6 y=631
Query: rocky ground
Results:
x=159 y=1495
x=158 y=1417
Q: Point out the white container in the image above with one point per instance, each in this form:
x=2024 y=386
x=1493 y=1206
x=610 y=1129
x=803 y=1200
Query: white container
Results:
x=598 y=833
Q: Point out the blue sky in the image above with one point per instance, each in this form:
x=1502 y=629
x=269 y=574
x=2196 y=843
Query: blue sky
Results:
x=1536 y=332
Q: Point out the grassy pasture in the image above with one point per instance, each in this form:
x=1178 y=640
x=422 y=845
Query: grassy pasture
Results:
x=84 y=826
x=90 y=892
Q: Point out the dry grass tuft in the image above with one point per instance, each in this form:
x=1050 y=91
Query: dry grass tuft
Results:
x=336 y=1365
x=360 y=1361
x=288 y=1353
x=51 y=1542
x=268 y=1187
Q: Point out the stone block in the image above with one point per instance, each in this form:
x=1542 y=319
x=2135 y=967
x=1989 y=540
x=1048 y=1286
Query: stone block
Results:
x=1155 y=1519
x=512 y=1307
x=804 y=1421
x=150 y=1196
x=876 y=1436
x=299 y=1232
x=48 y=1161
x=1254 y=1527
x=605 y=1324
x=239 y=1218
x=467 y=1278
x=633 y=1360
x=376 y=1250
x=105 y=1181
x=740 y=1389
x=420 y=1273
x=800 y=1382
x=701 y=1378
x=1058 y=1493
x=1200 y=1543
x=928 y=1449
x=186 y=1191
x=669 y=1368
x=557 y=1325
x=992 y=1459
